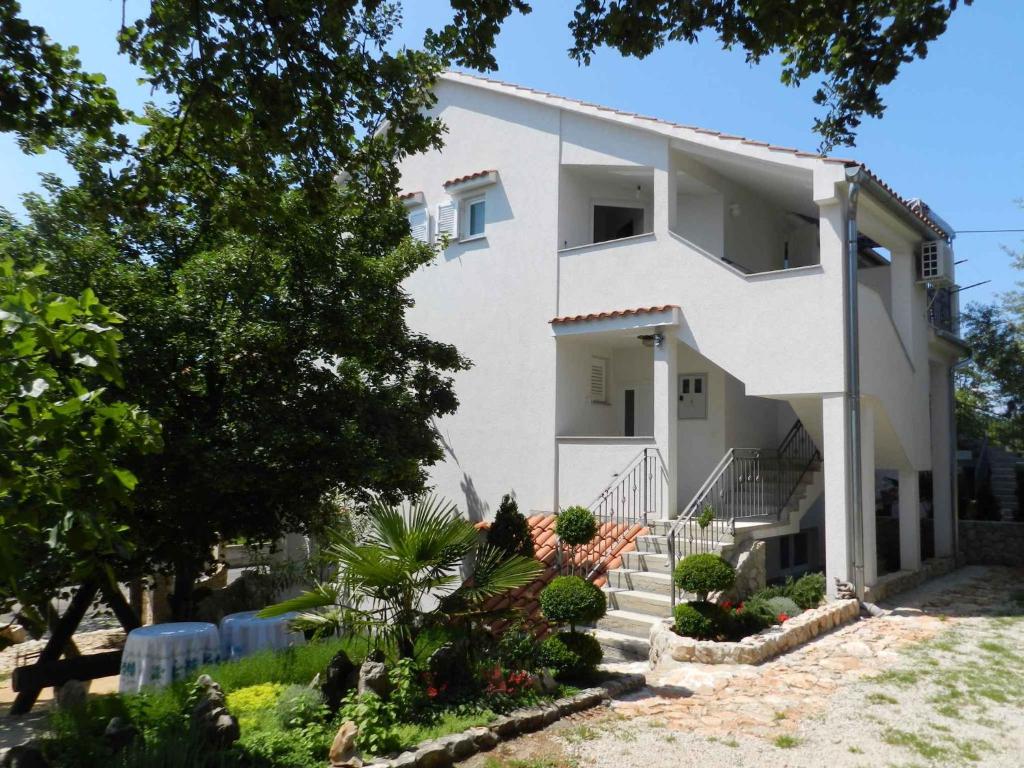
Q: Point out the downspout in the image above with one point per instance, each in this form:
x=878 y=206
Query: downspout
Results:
x=855 y=493
x=953 y=473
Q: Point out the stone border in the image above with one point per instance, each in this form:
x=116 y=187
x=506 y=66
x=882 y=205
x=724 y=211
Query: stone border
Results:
x=446 y=750
x=667 y=647
x=893 y=583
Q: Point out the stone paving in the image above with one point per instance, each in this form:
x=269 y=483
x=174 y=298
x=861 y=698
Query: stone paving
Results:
x=771 y=699
x=815 y=705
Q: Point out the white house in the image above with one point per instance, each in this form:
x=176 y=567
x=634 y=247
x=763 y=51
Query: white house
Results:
x=660 y=323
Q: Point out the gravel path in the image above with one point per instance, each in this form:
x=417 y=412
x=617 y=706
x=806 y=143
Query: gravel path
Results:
x=937 y=681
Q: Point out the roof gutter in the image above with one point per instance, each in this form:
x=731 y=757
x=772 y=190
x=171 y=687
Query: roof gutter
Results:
x=855 y=491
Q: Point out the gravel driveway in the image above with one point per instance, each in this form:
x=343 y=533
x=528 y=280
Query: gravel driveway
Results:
x=937 y=681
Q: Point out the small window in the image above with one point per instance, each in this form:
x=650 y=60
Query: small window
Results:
x=476 y=217
x=419 y=224
x=598 y=380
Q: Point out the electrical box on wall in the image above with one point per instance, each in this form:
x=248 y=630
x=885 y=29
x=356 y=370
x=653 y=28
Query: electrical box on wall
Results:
x=693 y=396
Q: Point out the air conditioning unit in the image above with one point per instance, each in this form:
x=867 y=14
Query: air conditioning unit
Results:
x=935 y=265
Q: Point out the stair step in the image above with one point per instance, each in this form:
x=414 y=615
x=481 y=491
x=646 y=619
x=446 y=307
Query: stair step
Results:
x=627 y=578
x=639 y=601
x=627 y=623
x=621 y=647
x=646 y=561
x=652 y=543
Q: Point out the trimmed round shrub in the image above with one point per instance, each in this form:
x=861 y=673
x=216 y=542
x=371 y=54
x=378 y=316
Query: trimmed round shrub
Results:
x=808 y=591
x=704 y=574
x=572 y=600
x=701 y=620
x=570 y=654
x=780 y=605
x=509 y=530
x=576 y=526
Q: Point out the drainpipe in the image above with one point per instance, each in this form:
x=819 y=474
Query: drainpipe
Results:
x=855 y=501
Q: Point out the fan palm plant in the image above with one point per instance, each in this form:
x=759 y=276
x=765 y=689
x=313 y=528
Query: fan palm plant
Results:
x=420 y=566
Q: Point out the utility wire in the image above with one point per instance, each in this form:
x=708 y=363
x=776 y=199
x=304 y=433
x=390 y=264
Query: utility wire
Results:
x=984 y=231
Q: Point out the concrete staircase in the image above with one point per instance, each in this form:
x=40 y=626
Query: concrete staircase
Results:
x=1004 y=481
x=640 y=591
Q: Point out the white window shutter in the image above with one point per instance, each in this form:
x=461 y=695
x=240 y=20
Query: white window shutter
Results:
x=448 y=220
x=598 y=380
x=419 y=224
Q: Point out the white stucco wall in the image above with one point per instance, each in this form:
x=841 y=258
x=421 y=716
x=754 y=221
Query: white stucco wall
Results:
x=493 y=299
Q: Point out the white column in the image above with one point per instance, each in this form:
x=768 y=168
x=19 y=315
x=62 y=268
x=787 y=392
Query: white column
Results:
x=838 y=562
x=665 y=193
x=910 y=521
x=903 y=277
x=867 y=468
x=666 y=413
x=942 y=496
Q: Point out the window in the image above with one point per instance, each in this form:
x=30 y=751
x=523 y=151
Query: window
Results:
x=612 y=222
x=629 y=398
x=476 y=217
x=598 y=380
x=419 y=224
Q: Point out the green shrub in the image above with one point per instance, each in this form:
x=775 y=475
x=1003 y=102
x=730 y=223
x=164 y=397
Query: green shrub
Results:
x=780 y=605
x=300 y=705
x=571 y=655
x=703 y=574
x=572 y=600
x=517 y=648
x=576 y=526
x=509 y=530
x=701 y=620
x=808 y=591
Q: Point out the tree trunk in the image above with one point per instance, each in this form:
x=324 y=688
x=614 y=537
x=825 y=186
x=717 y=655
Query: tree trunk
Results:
x=185 y=575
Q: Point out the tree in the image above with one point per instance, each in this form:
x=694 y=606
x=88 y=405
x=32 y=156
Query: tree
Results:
x=854 y=47
x=386 y=587
x=265 y=312
x=509 y=531
x=65 y=489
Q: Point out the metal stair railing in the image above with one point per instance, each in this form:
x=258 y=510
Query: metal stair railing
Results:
x=635 y=494
x=746 y=484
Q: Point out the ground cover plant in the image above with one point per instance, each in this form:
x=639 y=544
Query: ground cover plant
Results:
x=284 y=718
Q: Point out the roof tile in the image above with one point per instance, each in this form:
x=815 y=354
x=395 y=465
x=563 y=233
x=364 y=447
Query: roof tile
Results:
x=613 y=314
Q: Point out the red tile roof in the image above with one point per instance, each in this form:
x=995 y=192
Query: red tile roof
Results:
x=717 y=134
x=468 y=177
x=613 y=314
x=611 y=541
x=408 y=195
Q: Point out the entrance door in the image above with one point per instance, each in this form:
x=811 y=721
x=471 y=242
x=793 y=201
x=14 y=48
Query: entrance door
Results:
x=636 y=414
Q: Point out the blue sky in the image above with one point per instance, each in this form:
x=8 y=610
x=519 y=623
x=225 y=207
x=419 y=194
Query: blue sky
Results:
x=952 y=133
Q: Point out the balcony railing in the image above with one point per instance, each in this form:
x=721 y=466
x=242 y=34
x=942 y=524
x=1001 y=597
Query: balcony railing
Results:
x=944 y=310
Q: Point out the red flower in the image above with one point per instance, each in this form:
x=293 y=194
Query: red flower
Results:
x=432 y=692
x=727 y=605
x=783 y=618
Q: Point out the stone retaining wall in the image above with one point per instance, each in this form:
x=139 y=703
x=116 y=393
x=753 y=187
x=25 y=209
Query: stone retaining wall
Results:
x=667 y=647
x=986 y=542
x=446 y=750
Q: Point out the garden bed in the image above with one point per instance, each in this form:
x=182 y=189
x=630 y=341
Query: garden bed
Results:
x=667 y=646
x=446 y=750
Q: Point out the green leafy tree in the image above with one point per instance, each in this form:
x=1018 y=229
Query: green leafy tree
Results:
x=853 y=48
x=421 y=568
x=65 y=441
x=259 y=262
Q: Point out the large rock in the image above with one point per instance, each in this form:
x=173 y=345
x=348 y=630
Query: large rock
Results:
x=215 y=726
x=340 y=677
x=343 y=752
x=448 y=665
x=119 y=734
x=373 y=678
x=25 y=756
